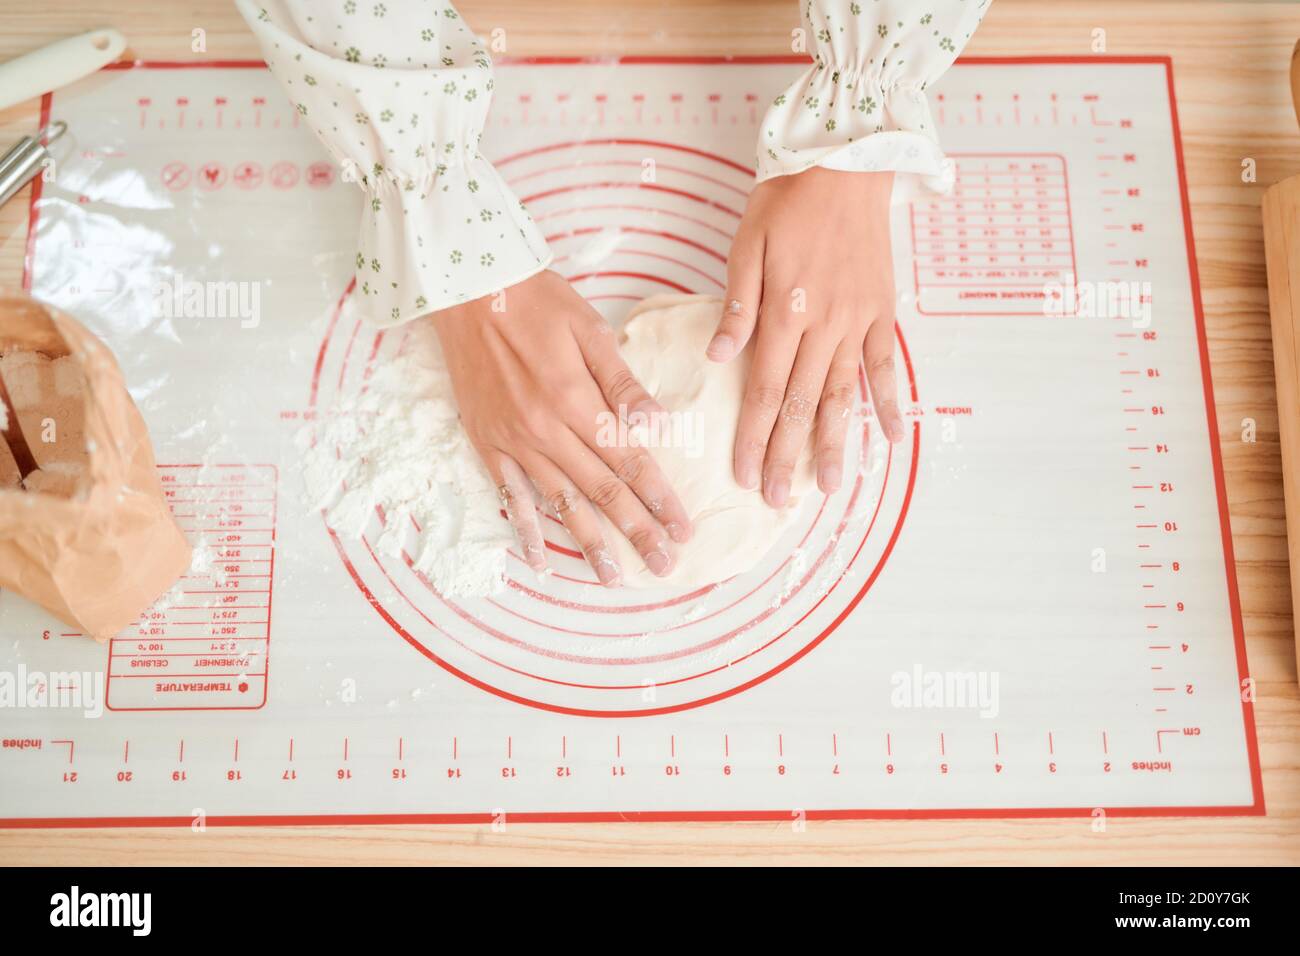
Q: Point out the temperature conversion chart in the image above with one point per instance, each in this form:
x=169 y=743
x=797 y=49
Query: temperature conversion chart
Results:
x=1026 y=608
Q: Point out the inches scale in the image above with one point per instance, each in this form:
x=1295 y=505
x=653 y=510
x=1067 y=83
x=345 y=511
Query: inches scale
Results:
x=1053 y=532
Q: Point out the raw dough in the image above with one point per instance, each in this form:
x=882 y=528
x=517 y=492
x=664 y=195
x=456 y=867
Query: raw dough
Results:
x=399 y=446
x=665 y=340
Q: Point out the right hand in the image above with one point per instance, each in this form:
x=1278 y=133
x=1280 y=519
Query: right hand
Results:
x=533 y=382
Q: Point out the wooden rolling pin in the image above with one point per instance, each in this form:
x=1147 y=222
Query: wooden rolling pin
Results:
x=1282 y=257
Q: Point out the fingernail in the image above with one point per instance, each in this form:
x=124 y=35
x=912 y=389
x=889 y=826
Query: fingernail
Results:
x=607 y=570
x=659 y=562
x=678 y=533
x=777 y=491
x=734 y=307
x=747 y=475
x=828 y=477
x=721 y=348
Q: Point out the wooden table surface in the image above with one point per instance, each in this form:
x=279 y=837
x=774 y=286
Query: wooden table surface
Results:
x=1230 y=69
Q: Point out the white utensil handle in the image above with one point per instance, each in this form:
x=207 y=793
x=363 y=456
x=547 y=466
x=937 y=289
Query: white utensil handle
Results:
x=60 y=63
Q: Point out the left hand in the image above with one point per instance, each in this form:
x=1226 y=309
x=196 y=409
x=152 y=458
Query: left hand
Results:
x=811 y=267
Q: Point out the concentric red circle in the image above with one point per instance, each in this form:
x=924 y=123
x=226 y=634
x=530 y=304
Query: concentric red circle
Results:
x=554 y=647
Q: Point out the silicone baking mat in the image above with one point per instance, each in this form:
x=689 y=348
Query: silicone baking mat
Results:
x=1027 y=608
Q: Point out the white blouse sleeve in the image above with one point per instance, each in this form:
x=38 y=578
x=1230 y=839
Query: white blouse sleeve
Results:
x=398 y=92
x=862 y=105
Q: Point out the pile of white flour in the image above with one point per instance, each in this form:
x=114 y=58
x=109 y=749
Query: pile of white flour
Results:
x=398 y=447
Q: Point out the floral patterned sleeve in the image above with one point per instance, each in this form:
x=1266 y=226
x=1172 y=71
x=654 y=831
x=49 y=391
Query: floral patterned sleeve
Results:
x=399 y=90
x=862 y=105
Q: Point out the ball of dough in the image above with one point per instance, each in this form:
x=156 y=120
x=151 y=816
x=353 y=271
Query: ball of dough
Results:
x=664 y=344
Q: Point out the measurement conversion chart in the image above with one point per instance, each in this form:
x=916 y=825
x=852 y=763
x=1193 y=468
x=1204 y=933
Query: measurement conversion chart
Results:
x=1027 y=608
x=212 y=651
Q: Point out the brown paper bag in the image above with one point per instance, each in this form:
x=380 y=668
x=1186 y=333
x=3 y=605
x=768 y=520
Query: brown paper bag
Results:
x=88 y=536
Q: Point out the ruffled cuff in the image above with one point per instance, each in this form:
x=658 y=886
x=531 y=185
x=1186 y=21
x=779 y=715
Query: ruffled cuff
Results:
x=900 y=152
x=459 y=235
x=398 y=93
x=862 y=106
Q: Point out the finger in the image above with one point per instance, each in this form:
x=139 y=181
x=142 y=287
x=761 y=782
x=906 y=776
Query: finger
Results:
x=635 y=468
x=630 y=462
x=778 y=341
x=833 y=415
x=744 y=290
x=795 y=421
x=878 y=357
x=623 y=392
x=516 y=494
x=575 y=512
x=608 y=492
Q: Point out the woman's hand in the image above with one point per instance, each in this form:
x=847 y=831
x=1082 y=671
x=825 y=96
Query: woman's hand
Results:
x=811 y=266
x=534 y=378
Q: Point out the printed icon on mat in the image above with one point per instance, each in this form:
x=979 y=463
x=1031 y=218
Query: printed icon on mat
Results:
x=212 y=176
x=248 y=175
x=176 y=176
x=284 y=175
x=320 y=175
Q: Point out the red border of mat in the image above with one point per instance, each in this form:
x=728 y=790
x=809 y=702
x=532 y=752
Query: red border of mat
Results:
x=1248 y=716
